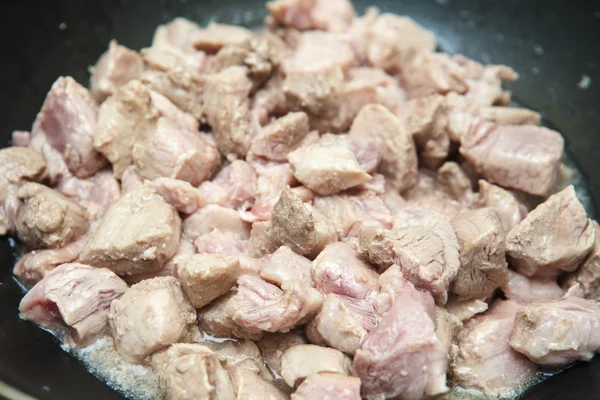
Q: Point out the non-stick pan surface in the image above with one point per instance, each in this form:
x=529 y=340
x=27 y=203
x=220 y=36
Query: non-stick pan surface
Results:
x=554 y=45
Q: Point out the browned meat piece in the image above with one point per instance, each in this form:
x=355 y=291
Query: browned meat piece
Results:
x=204 y=277
x=216 y=319
x=260 y=306
x=47 y=219
x=228 y=110
x=273 y=345
x=319 y=51
x=151 y=315
x=214 y=218
x=139 y=233
x=216 y=36
x=525 y=290
x=325 y=386
x=485 y=360
x=327 y=167
x=367 y=85
x=279 y=138
x=115 y=67
x=73 y=300
x=299 y=226
x=33 y=266
x=465 y=309
x=338 y=269
x=454 y=181
x=285 y=265
x=555 y=236
x=342 y=323
x=261 y=243
x=510 y=209
x=168 y=151
x=180 y=194
x=249 y=385
x=428 y=255
x=328 y=15
x=123 y=118
x=403 y=356
x=558 y=332
x=301 y=361
x=524 y=157
x=167 y=109
x=234 y=186
x=399 y=159
x=482 y=263
x=508 y=115
x=588 y=273
x=96 y=193
x=68 y=120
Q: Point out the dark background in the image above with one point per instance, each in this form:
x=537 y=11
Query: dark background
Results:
x=552 y=44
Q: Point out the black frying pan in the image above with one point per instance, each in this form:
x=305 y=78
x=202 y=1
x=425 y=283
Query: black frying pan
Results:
x=552 y=44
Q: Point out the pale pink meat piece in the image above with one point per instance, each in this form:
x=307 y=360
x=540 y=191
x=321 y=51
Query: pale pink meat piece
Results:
x=271 y=179
x=180 y=194
x=215 y=218
x=280 y=137
x=454 y=181
x=178 y=33
x=327 y=15
x=367 y=85
x=327 y=386
x=234 y=186
x=285 y=265
x=301 y=361
x=216 y=36
x=216 y=319
x=221 y=242
x=318 y=51
x=510 y=209
x=526 y=290
x=20 y=138
x=167 y=109
x=249 y=385
x=587 y=276
x=130 y=180
x=465 y=309
x=96 y=193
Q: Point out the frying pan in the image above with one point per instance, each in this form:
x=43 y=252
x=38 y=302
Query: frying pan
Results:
x=553 y=44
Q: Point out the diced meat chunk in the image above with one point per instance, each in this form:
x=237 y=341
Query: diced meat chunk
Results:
x=171 y=152
x=454 y=181
x=525 y=290
x=327 y=386
x=558 y=332
x=249 y=385
x=73 y=299
x=399 y=159
x=328 y=15
x=234 y=186
x=123 y=118
x=274 y=345
x=151 y=315
x=318 y=51
x=301 y=361
x=214 y=218
x=130 y=180
x=261 y=243
x=96 y=193
x=482 y=263
x=280 y=137
x=20 y=138
x=271 y=180
x=47 y=219
x=285 y=265
x=204 y=277
x=227 y=109
x=509 y=208
x=115 y=67
x=367 y=85
x=508 y=115
x=524 y=157
x=68 y=121
x=216 y=36
x=241 y=354
x=555 y=236
x=588 y=273
x=180 y=194
x=338 y=269
x=139 y=233
x=485 y=360
x=327 y=167
x=403 y=356
x=465 y=309
x=167 y=109
x=217 y=242
x=178 y=33
x=447 y=328
x=216 y=319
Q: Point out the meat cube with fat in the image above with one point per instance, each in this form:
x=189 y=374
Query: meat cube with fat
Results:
x=279 y=137
x=527 y=290
x=216 y=319
x=367 y=85
x=318 y=51
x=115 y=67
x=510 y=209
x=301 y=361
x=214 y=218
x=180 y=194
x=483 y=268
x=47 y=219
x=554 y=237
x=151 y=315
x=204 y=277
x=327 y=386
x=285 y=265
x=73 y=300
x=557 y=332
x=588 y=273
x=234 y=186
x=274 y=345
x=168 y=151
x=328 y=15
x=68 y=121
x=138 y=234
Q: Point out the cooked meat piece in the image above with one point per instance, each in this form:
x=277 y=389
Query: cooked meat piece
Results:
x=328 y=15
x=177 y=33
x=508 y=115
x=180 y=194
x=151 y=315
x=465 y=309
x=261 y=243
x=510 y=209
x=9 y=209
x=139 y=233
x=399 y=159
x=524 y=157
x=227 y=109
x=555 y=236
x=247 y=55
x=558 y=332
x=482 y=263
x=168 y=151
x=327 y=167
x=485 y=360
x=367 y=85
x=454 y=181
x=319 y=51
x=221 y=242
x=34 y=265
x=271 y=179
x=326 y=386
x=167 y=109
x=234 y=186
x=96 y=193
x=216 y=319
x=47 y=219
x=243 y=354
x=403 y=356
x=347 y=212
x=163 y=56
x=20 y=138
x=214 y=218
x=68 y=121
x=392 y=284
x=115 y=67
x=428 y=256
x=204 y=277
x=123 y=118
x=437 y=205
x=249 y=385
x=73 y=300
x=280 y=137
x=447 y=328
x=130 y=180
x=216 y=36
x=301 y=361
x=260 y=306
x=338 y=269
x=285 y=265
x=343 y=322
x=273 y=345
x=525 y=290
x=588 y=273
